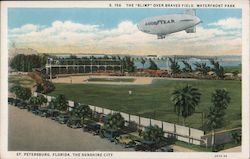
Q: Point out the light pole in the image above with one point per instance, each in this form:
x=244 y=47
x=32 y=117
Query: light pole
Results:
x=50 y=69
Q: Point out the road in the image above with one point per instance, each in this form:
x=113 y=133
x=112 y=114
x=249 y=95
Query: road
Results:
x=28 y=132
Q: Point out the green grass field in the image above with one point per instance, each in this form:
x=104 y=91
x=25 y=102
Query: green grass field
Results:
x=154 y=100
x=233 y=69
x=22 y=80
x=111 y=79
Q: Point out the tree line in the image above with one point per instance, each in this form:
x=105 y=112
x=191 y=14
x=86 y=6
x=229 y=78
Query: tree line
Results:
x=176 y=69
x=203 y=68
x=26 y=63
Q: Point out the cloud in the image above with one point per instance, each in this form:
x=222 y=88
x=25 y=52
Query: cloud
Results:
x=125 y=38
x=74 y=27
x=25 y=29
x=229 y=23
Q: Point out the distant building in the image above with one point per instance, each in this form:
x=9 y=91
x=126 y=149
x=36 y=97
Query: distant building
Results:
x=229 y=75
x=211 y=73
x=153 y=57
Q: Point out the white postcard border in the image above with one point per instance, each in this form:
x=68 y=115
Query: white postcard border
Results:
x=244 y=4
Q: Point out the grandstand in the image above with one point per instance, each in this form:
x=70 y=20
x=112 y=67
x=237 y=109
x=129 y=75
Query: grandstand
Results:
x=74 y=65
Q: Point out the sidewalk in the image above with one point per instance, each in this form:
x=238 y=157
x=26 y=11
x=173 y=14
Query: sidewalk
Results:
x=234 y=149
x=181 y=149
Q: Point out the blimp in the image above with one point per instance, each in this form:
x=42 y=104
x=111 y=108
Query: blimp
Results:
x=170 y=23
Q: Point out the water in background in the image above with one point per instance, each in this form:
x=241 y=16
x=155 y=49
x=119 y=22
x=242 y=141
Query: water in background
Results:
x=164 y=64
x=225 y=61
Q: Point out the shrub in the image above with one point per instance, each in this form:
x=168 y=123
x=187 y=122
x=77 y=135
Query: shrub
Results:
x=21 y=92
x=45 y=87
x=114 y=121
x=153 y=133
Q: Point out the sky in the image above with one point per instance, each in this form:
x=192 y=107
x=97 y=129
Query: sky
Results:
x=114 y=31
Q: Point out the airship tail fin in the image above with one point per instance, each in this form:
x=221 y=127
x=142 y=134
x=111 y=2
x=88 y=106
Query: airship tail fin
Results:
x=191 y=30
x=190 y=12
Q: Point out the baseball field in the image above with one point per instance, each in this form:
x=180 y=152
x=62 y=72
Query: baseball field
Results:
x=154 y=100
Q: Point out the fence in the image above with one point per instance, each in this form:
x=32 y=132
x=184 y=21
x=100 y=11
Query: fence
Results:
x=220 y=137
x=182 y=133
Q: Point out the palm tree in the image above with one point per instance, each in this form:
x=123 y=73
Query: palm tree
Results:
x=215 y=118
x=153 y=65
x=221 y=98
x=185 y=100
x=218 y=69
x=128 y=64
x=143 y=62
x=187 y=68
x=202 y=67
x=174 y=66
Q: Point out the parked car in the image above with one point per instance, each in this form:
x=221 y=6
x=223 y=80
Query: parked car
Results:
x=16 y=102
x=146 y=146
x=104 y=118
x=110 y=134
x=22 y=105
x=11 y=100
x=152 y=146
x=166 y=148
x=52 y=113
x=35 y=111
x=126 y=141
x=123 y=139
x=42 y=112
x=131 y=144
x=62 y=118
x=32 y=108
x=96 y=116
x=93 y=128
x=74 y=122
